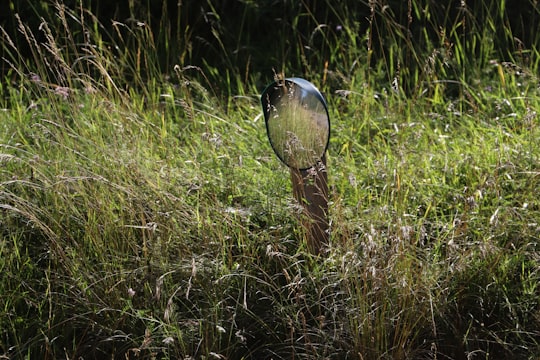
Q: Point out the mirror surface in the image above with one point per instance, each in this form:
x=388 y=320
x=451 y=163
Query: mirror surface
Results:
x=297 y=122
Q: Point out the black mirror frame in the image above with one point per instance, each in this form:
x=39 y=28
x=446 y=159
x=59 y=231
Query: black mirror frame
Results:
x=266 y=105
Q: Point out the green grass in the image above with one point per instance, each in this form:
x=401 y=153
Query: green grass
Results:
x=150 y=218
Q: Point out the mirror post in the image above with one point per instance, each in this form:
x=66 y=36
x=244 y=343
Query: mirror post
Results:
x=298 y=128
x=310 y=188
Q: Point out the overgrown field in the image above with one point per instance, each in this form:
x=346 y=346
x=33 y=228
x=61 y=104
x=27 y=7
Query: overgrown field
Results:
x=143 y=214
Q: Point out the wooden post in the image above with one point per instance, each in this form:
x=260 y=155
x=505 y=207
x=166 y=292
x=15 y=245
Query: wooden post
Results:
x=310 y=188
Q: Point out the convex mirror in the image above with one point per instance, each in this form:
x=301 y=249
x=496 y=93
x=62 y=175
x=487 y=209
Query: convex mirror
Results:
x=297 y=122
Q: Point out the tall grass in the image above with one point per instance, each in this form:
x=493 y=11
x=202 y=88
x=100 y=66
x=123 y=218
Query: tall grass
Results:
x=143 y=215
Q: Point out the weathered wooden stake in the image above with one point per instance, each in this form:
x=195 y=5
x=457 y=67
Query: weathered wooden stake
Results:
x=310 y=188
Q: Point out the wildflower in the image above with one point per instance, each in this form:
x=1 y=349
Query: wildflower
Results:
x=168 y=340
x=62 y=91
x=131 y=292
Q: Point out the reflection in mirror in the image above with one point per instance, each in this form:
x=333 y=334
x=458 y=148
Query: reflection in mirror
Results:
x=297 y=122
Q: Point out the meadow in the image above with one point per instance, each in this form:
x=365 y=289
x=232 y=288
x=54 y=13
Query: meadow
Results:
x=144 y=215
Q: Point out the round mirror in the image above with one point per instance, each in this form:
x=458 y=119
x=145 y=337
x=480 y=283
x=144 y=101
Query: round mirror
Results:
x=297 y=122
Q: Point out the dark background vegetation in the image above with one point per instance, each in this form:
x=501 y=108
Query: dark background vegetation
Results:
x=297 y=37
